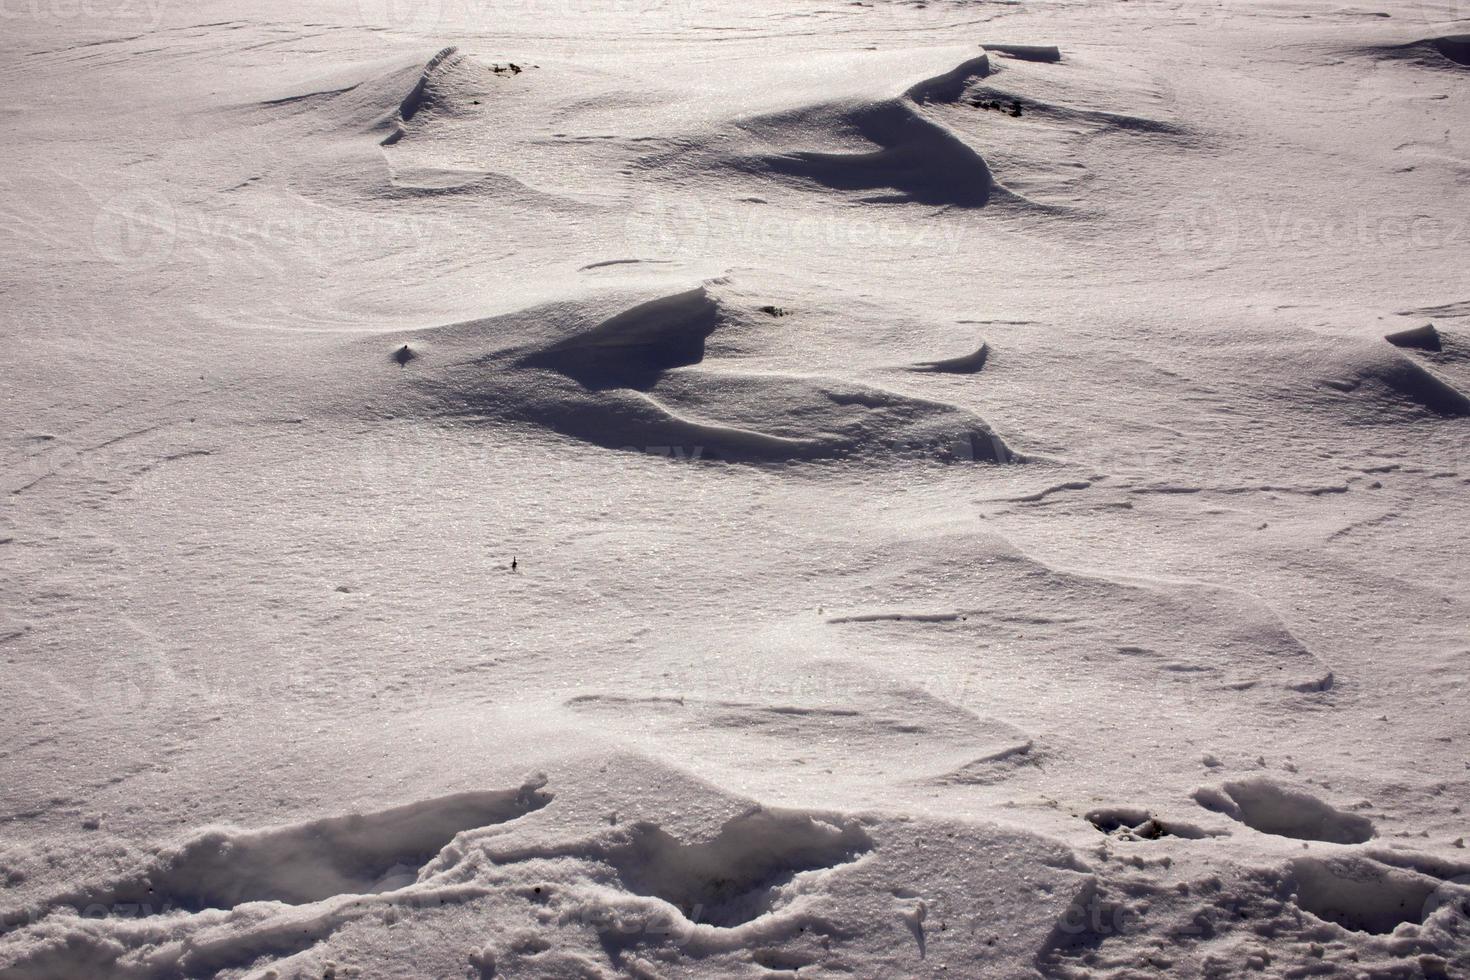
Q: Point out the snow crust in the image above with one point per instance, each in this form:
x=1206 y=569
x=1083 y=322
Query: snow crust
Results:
x=676 y=489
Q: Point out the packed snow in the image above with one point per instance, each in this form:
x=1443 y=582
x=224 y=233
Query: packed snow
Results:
x=666 y=488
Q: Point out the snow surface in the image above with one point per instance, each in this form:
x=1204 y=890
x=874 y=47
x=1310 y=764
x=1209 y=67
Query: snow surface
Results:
x=967 y=518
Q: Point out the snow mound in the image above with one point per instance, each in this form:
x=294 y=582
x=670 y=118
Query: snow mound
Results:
x=428 y=91
x=1358 y=379
x=805 y=714
x=633 y=348
x=1148 y=634
x=1035 y=120
x=450 y=84
x=402 y=129
x=1385 y=374
x=386 y=97
x=640 y=379
x=1449 y=52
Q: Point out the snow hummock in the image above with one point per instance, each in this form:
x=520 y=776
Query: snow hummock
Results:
x=677 y=490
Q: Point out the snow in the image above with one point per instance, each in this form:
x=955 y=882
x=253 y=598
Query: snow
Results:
x=985 y=485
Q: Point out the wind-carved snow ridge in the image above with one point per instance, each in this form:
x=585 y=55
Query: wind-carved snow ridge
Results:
x=399 y=440
x=964 y=138
x=450 y=84
x=445 y=84
x=398 y=131
x=1448 y=52
x=631 y=349
x=917 y=159
x=416 y=99
x=1455 y=47
x=1387 y=372
x=951 y=85
x=1027 y=52
x=657 y=375
x=964 y=364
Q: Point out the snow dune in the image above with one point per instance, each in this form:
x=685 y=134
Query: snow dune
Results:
x=641 y=378
x=778 y=489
